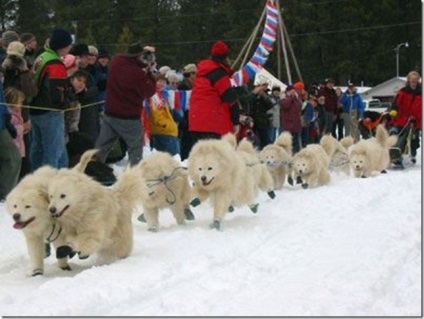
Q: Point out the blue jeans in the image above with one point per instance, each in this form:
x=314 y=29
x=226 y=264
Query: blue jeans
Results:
x=165 y=143
x=48 y=140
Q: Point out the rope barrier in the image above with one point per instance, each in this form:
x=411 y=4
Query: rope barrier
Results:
x=33 y=107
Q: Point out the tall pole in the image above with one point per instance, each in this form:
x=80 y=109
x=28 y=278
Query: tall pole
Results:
x=283 y=44
x=406 y=44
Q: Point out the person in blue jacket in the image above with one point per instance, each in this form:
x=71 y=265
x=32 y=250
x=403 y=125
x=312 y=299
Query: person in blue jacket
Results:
x=353 y=111
x=10 y=157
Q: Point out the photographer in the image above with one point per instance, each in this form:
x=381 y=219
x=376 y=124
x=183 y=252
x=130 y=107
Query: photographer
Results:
x=130 y=81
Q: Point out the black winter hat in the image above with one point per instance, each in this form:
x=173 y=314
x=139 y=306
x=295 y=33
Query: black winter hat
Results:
x=59 y=39
x=80 y=50
x=135 y=49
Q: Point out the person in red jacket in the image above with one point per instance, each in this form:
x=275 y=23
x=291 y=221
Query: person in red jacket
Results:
x=407 y=110
x=290 y=114
x=213 y=109
x=130 y=81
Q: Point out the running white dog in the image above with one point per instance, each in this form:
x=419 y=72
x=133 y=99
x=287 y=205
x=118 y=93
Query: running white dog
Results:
x=95 y=219
x=277 y=158
x=28 y=204
x=167 y=186
x=372 y=154
x=219 y=173
x=310 y=165
x=339 y=161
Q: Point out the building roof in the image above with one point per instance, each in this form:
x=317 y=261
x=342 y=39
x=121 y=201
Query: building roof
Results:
x=385 y=89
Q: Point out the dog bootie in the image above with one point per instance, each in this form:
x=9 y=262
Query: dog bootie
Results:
x=299 y=180
x=82 y=257
x=47 y=250
x=141 y=218
x=230 y=209
x=188 y=214
x=271 y=194
x=290 y=180
x=67 y=268
x=305 y=185
x=195 y=202
x=215 y=225
x=254 y=208
x=37 y=272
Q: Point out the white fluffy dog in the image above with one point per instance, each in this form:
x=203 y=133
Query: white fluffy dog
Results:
x=167 y=186
x=339 y=161
x=311 y=164
x=263 y=178
x=372 y=154
x=277 y=157
x=219 y=173
x=28 y=204
x=95 y=219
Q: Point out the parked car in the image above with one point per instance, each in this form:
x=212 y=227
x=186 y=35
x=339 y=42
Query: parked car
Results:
x=374 y=105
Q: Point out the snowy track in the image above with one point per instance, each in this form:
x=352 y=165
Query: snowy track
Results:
x=352 y=248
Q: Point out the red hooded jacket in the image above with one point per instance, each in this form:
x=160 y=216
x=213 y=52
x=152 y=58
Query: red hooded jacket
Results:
x=409 y=104
x=212 y=98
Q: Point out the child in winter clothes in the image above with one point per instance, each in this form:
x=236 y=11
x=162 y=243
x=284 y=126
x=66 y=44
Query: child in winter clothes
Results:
x=163 y=127
x=15 y=98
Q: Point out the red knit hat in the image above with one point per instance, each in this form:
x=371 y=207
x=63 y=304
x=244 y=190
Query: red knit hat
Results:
x=219 y=49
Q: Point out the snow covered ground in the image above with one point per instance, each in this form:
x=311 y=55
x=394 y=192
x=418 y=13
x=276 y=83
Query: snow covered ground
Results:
x=352 y=248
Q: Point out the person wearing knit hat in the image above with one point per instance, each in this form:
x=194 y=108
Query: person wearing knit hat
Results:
x=93 y=52
x=7 y=37
x=30 y=43
x=213 y=104
x=290 y=115
x=60 y=39
x=48 y=127
x=16 y=48
x=27 y=38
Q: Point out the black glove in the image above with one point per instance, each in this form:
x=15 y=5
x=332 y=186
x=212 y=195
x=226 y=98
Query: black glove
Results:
x=9 y=126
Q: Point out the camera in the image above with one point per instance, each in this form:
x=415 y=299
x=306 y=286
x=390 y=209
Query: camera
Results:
x=148 y=57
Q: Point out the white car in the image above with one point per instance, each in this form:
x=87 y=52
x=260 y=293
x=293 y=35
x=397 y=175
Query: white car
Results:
x=374 y=105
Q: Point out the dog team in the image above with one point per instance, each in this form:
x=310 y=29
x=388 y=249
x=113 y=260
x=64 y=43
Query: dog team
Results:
x=80 y=216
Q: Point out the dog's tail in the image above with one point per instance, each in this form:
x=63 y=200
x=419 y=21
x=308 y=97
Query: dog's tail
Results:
x=383 y=137
x=86 y=157
x=329 y=144
x=246 y=146
x=231 y=139
x=347 y=142
x=285 y=140
x=127 y=190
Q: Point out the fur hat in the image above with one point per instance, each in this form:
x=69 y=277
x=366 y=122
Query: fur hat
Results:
x=9 y=36
x=219 y=49
x=92 y=50
x=190 y=68
x=60 y=39
x=164 y=69
x=16 y=48
x=80 y=50
x=27 y=38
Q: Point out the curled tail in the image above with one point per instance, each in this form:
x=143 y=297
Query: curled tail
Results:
x=285 y=140
x=383 y=137
x=127 y=190
x=230 y=138
x=329 y=144
x=347 y=142
x=246 y=146
x=86 y=157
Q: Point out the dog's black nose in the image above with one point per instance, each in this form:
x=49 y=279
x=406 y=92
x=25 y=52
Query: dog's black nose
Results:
x=300 y=171
x=16 y=216
x=52 y=210
x=203 y=178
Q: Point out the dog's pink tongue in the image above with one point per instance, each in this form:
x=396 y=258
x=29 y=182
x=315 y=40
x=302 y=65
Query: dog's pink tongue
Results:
x=18 y=225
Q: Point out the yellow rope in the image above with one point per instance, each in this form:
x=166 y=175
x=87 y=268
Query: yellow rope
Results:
x=52 y=109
